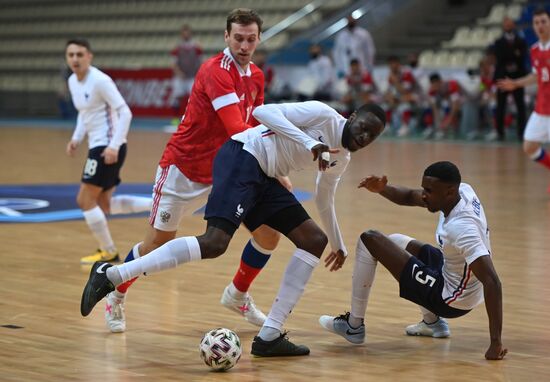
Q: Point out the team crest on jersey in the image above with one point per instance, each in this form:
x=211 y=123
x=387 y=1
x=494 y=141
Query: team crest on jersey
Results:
x=165 y=216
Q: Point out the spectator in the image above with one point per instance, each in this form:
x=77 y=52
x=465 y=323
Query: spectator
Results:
x=187 y=58
x=322 y=74
x=401 y=96
x=510 y=51
x=445 y=102
x=353 y=42
x=361 y=87
x=487 y=98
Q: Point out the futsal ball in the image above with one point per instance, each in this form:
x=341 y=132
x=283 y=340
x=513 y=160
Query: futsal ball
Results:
x=220 y=349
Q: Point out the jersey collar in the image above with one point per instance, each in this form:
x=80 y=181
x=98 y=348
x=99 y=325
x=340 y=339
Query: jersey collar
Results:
x=242 y=72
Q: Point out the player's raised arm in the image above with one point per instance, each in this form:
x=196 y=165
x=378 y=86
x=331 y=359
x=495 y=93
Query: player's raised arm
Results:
x=399 y=195
x=485 y=272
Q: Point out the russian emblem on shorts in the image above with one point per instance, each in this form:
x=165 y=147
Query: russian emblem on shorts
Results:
x=164 y=216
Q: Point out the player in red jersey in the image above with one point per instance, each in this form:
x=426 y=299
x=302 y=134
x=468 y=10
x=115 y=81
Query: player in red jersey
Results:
x=401 y=96
x=445 y=100
x=537 y=130
x=227 y=88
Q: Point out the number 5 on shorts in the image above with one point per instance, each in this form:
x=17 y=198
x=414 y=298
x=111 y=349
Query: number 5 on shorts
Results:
x=419 y=274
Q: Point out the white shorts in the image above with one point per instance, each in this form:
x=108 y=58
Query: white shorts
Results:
x=175 y=196
x=538 y=128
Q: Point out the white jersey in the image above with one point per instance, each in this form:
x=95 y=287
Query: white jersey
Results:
x=283 y=143
x=97 y=98
x=463 y=236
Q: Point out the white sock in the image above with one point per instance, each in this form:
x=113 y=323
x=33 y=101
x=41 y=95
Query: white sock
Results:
x=235 y=293
x=427 y=316
x=297 y=274
x=362 y=280
x=127 y=204
x=97 y=222
x=170 y=255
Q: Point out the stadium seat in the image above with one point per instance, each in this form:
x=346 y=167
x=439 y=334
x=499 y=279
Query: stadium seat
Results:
x=496 y=14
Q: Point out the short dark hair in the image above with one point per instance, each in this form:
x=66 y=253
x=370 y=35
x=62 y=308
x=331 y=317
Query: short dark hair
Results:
x=354 y=61
x=445 y=171
x=80 y=42
x=393 y=58
x=243 y=16
x=541 y=11
x=435 y=77
x=374 y=109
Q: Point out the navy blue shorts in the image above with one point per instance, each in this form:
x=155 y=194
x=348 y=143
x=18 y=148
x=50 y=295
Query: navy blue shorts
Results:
x=422 y=283
x=242 y=192
x=98 y=173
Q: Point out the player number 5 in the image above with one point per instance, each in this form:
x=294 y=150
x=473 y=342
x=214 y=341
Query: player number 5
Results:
x=427 y=278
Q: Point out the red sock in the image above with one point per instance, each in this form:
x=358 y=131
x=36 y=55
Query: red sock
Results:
x=244 y=276
x=544 y=160
x=122 y=288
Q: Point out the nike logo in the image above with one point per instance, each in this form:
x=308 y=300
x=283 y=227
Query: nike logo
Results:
x=100 y=268
x=321 y=139
x=351 y=333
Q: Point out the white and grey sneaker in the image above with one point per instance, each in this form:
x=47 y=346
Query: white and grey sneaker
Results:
x=439 y=329
x=340 y=325
x=114 y=313
x=244 y=307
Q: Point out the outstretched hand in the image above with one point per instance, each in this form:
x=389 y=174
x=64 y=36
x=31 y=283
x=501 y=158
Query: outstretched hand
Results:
x=374 y=183
x=337 y=259
x=324 y=160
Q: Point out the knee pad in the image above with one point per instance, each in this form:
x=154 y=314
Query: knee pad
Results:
x=401 y=240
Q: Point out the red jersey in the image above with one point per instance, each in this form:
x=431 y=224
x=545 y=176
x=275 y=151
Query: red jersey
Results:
x=449 y=91
x=361 y=82
x=407 y=80
x=220 y=82
x=540 y=60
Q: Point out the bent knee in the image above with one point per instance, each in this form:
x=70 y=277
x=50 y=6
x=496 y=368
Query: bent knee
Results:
x=370 y=236
x=314 y=243
x=210 y=249
x=268 y=239
x=531 y=148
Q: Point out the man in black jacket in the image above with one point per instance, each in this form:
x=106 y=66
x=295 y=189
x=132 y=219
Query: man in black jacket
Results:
x=511 y=54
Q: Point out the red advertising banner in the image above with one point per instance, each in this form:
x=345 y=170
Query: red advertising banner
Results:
x=146 y=91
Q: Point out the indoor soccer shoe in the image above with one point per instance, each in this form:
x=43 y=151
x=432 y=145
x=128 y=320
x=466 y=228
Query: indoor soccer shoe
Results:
x=245 y=307
x=439 y=329
x=100 y=255
x=97 y=287
x=114 y=313
x=279 y=347
x=340 y=325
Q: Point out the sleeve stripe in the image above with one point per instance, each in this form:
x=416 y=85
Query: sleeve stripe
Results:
x=225 y=100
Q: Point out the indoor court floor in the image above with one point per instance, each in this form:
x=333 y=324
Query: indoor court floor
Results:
x=44 y=338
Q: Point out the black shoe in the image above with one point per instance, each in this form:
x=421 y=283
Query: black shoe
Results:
x=279 y=347
x=97 y=287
